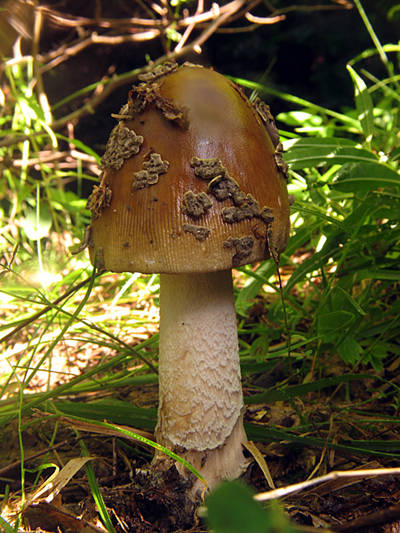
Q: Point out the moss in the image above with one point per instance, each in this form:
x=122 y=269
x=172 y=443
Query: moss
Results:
x=273 y=247
x=265 y=114
x=172 y=111
x=144 y=179
x=123 y=114
x=221 y=185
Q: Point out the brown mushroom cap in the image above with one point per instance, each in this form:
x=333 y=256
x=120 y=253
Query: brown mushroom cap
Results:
x=192 y=181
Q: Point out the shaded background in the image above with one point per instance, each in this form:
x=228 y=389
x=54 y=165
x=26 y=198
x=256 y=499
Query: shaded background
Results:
x=303 y=55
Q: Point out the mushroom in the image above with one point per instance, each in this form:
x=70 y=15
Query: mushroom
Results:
x=192 y=185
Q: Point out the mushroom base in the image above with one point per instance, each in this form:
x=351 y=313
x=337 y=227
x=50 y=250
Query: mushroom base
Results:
x=200 y=393
x=222 y=463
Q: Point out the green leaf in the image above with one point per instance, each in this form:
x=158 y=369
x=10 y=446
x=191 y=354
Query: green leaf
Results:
x=390 y=275
x=252 y=287
x=371 y=52
x=329 y=325
x=309 y=152
x=173 y=35
x=364 y=104
x=300 y=118
x=315 y=262
x=351 y=300
x=67 y=201
x=318 y=212
x=81 y=146
x=363 y=177
x=246 y=295
x=232 y=509
x=360 y=214
x=37 y=227
x=384 y=448
x=264 y=89
x=349 y=350
x=395 y=155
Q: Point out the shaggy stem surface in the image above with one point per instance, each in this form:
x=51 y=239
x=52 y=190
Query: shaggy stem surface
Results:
x=200 y=395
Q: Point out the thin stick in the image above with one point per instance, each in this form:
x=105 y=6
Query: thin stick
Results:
x=15 y=464
x=358 y=475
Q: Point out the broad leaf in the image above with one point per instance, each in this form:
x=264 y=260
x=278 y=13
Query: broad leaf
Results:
x=332 y=324
x=309 y=152
x=232 y=509
x=363 y=177
x=349 y=350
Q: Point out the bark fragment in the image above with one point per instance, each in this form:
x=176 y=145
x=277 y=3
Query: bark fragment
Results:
x=152 y=169
x=224 y=187
x=208 y=169
x=199 y=232
x=242 y=247
x=122 y=144
x=99 y=199
x=159 y=71
x=264 y=112
x=248 y=209
x=196 y=205
x=267 y=215
x=147 y=93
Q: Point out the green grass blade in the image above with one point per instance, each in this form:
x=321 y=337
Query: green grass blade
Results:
x=364 y=104
x=293 y=391
x=309 y=152
x=260 y=433
x=372 y=33
x=96 y=493
x=135 y=436
x=300 y=102
x=117 y=411
x=7 y=527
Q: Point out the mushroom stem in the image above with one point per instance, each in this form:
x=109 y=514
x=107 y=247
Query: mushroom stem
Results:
x=200 y=393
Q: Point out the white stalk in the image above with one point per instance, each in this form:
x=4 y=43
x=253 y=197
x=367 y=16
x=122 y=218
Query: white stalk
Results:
x=200 y=393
